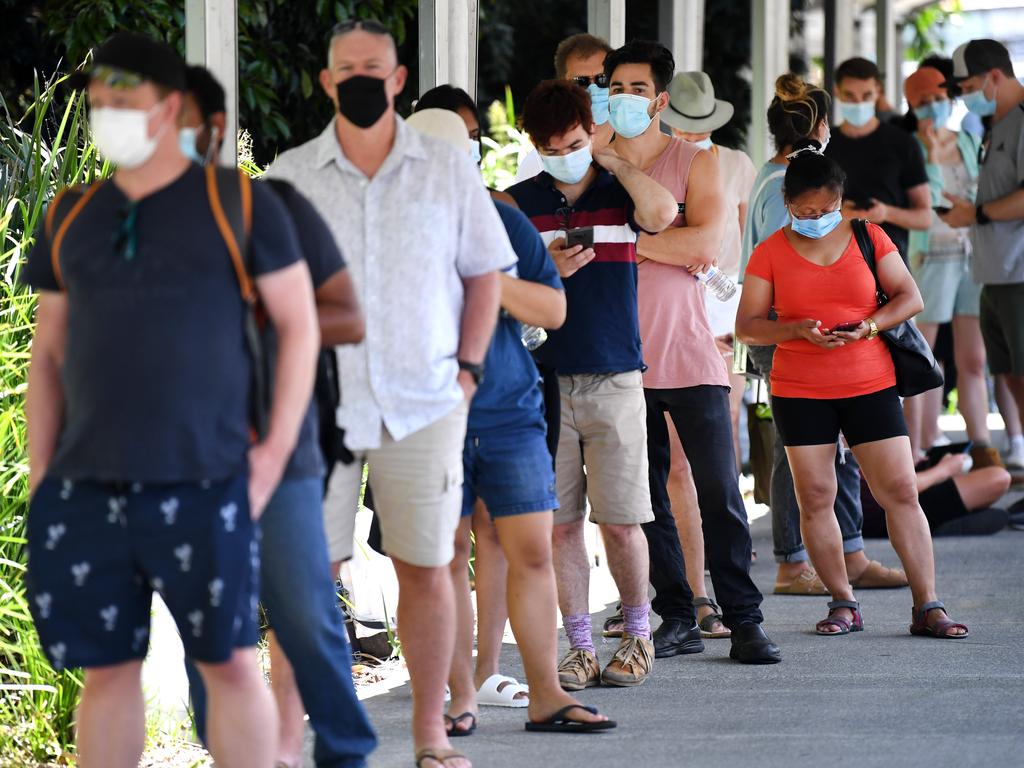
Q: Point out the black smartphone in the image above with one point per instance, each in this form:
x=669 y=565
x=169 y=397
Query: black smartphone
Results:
x=580 y=236
x=846 y=327
x=936 y=453
x=941 y=209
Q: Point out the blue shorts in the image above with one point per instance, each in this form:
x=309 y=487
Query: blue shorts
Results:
x=511 y=473
x=98 y=551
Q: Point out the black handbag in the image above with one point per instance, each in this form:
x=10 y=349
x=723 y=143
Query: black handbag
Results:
x=916 y=370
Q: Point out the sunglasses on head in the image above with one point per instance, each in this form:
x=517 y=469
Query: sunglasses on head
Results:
x=118 y=79
x=369 y=25
x=601 y=80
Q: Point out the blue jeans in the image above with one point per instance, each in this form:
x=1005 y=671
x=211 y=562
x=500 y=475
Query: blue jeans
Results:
x=298 y=594
x=786 y=540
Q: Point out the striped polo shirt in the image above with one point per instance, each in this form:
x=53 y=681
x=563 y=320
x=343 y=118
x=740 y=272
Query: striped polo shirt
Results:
x=601 y=333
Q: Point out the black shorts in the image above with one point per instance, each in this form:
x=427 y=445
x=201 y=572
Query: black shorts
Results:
x=861 y=419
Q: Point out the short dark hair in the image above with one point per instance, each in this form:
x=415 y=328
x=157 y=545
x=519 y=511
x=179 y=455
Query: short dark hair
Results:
x=663 y=65
x=447 y=97
x=553 y=108
x=204 y=88
x=809 y=169
x=581 y=45
x=945 y=66
x=796 y=110
x=858 y=68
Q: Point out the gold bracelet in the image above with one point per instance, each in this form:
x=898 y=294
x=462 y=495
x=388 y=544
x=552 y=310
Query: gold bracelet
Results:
x=873 y=328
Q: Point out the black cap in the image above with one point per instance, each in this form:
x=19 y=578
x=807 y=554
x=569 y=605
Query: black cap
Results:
x=152 y=60
x=976 y=57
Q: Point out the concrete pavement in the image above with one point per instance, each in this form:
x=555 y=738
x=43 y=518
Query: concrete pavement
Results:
x=879 y=698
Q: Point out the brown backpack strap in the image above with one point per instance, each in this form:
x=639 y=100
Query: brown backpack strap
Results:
x=231 y=204
x=56 y=239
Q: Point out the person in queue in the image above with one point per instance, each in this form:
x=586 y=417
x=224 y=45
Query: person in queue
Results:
x=799 y=111
x=833 y=374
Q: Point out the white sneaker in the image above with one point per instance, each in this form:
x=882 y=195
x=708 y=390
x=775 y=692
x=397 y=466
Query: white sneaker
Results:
x=941 y=440
x=1015 y=458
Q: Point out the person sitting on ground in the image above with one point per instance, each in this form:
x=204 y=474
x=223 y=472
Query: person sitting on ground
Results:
x=800 y=111
x=956 y=504
x=602 y=449
x=832 y=375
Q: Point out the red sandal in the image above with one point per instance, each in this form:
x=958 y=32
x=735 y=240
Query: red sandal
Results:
x=940 y=629
x=845 y=626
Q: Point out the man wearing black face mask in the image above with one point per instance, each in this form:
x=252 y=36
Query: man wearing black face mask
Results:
x=425 y=266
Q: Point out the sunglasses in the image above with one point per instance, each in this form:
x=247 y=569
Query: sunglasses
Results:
x=118 y=79
x=601 y=80
x=125 y=239
x=369 y=25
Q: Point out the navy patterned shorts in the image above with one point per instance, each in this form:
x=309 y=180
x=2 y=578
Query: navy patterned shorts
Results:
x=98 y=551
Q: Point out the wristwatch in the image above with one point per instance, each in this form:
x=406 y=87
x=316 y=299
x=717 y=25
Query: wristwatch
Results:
x=979 y=214
x=476 y=370
x=874 y=328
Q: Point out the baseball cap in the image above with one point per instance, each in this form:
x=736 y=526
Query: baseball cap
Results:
x=976 y=57
x=926 y=81
x=441 y=124
x=128 y=58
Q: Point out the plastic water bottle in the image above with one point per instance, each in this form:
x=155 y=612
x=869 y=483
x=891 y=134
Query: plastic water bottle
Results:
x=533 y=336
x=720 y=284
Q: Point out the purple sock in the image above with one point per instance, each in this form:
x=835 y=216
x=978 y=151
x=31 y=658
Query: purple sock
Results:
x=637 y=619
x=577 y=629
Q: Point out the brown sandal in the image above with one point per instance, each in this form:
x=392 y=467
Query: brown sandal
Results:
x=439 y=756
x=940 y=629
x=708 y=622
x=877 y=576
x=807 y=582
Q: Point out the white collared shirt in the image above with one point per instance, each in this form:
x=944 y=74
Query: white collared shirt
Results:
x=410 y=235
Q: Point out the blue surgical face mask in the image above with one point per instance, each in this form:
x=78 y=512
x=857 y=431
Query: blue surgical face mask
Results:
x=816 y=228
x=598 y=103
x=704 y=143
x=856 y=114
x=938 y=112
x=474 y=151
x=978 y=103
x=628 y=114
x=569 y=168
x=187 y=144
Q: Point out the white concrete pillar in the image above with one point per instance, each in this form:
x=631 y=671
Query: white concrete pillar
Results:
x=448 y=43
x=681 y=30
x=607 y=19
x=886 y=47
x=840 y=36
x=769 y=59
x=211 y=39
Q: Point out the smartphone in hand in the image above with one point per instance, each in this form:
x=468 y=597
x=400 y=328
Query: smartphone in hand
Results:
x=846 y=327
x=580 y=236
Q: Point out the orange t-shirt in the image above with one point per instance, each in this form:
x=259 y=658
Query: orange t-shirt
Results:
x=843 y=292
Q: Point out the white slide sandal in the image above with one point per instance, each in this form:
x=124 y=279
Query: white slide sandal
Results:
x=501 y=691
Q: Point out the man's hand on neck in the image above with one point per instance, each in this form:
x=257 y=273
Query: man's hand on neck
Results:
x=644 y=149
x=859 y=132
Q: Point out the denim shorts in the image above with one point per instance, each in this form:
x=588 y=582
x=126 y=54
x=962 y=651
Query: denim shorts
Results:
x=98 y=551
x=511 y=473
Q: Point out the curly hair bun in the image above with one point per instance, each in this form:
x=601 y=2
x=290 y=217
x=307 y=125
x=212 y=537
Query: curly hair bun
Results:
x=790 y=87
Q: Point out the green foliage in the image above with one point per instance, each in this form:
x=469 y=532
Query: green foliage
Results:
x=281 y=50
x=505 y=146
x=42 y=151
x=926 y=25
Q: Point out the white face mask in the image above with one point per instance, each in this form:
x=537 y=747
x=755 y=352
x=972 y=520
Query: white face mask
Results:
x=122 y=135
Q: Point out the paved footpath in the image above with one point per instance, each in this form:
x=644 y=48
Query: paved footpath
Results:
x=879 y=698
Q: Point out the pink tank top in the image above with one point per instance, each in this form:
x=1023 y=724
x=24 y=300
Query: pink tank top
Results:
x=678 y=345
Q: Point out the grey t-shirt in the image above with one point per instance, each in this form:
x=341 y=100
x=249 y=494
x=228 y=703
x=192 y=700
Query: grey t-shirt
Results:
x=999 y=245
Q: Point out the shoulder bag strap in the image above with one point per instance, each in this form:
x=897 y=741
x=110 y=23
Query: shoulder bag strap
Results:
x=867 y=250
x=56 y=224
x=231 y=203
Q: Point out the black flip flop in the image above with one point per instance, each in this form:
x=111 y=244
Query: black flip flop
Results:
x=559 y=723
x=453 y=722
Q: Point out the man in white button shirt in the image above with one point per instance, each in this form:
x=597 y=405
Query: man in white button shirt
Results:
x=425 y=247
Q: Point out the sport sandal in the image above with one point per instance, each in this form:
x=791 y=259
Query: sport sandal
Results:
x=845 y=626
x=941 y=629
x=708 y=622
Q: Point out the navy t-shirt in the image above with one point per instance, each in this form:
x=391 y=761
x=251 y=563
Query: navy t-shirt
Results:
x=509 y=397
x=324 y=260
x=602 y=331
x=156 y=374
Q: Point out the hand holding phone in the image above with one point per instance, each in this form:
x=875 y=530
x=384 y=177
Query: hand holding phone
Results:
x=580 y=236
